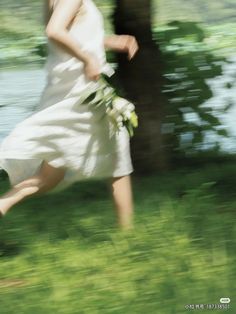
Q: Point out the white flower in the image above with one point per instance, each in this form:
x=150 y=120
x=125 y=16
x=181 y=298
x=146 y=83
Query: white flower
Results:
x=131 y=107
x=120 y=104
x=127 y=114
x=119 y=119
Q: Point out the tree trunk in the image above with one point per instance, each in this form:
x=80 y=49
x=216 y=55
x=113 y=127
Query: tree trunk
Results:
x=142 y=80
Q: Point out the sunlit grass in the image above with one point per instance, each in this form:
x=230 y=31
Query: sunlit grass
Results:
x=64 y=254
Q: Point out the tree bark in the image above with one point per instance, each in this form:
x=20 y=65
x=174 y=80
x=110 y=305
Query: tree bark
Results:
x=142 y=81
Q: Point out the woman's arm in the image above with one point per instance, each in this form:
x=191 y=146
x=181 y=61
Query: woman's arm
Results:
x=57 y=30
x=122 y=43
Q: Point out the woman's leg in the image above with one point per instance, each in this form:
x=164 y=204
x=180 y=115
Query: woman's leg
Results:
x=121 y=188
x=46 y=179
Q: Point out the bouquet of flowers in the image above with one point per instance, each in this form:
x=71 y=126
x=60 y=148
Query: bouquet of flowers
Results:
x=120 y=111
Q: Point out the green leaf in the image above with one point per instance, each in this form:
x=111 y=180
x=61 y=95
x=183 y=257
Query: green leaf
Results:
x=223 y=132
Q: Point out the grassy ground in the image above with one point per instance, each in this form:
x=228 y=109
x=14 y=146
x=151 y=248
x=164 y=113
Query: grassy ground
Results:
x=65 y=255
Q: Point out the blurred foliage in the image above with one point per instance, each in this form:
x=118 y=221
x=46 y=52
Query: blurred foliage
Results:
x=19 y=38
x=221 y=39
x=64 y=254
x=189 y=62
x=22 y=29
x=205 y=11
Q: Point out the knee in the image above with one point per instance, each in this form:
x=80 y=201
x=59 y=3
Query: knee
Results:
x=38 y=182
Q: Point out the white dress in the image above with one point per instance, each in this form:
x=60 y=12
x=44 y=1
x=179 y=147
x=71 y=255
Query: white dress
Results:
x=64 y=131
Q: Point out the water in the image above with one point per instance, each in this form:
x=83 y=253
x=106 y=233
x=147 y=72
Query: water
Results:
x=20 y=90
x=222 y=96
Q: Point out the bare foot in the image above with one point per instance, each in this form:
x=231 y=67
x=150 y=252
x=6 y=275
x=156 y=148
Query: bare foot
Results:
x=5 y=205
x=14 y=196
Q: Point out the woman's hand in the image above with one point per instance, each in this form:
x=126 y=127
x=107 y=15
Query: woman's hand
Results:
x=122 y=43
x=129 y=45
x=92 y=68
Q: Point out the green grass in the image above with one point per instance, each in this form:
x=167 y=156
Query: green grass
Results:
x=64 y=254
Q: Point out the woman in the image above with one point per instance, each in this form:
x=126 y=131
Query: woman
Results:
x=68 y=139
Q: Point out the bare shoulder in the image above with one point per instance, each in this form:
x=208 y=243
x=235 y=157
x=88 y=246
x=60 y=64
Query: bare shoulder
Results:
x=55 y=3
x=62 y=13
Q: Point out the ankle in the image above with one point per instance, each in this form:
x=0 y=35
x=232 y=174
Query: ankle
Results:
x=126 y=222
